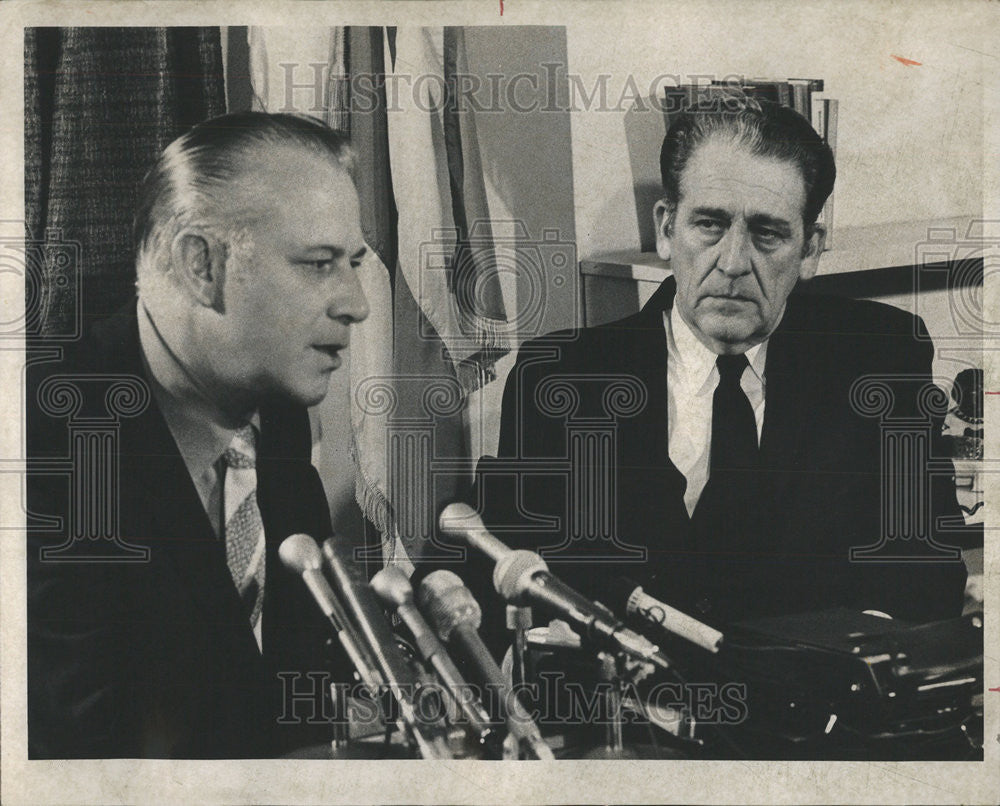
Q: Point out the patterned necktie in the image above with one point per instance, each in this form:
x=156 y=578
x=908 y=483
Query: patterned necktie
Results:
x=244 y=527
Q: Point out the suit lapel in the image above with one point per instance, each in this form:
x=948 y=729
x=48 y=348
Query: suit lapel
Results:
x=645 y=437
x=187 y=542
x=646 y=341
x=653 y=354
x=167 y=503
x=786 y=409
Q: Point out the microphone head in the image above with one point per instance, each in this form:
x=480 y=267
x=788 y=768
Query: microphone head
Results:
x=512 y=574
x=446 y=601
x=392 y=586
x=299 y=553
x=620 y=590
x=456 y=518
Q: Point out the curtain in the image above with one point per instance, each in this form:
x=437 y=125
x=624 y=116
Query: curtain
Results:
x=438 y=322
x=449 y=314
x=100 y=104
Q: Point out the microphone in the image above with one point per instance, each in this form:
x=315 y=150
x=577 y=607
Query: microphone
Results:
x=302 y=556
x=462 y=521
x=456 y=617
x=639 y=603
x=394 y=589
x=399 y=677
x=523 y=578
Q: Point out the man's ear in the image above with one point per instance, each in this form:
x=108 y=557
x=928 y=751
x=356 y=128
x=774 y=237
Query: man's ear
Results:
x=661 y=220
x=197 y=259
x=811 y=252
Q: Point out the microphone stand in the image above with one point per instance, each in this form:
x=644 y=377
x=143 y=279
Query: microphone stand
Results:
x=519 y=619
x=614 y=742
x=617 y=671
x=340 y=741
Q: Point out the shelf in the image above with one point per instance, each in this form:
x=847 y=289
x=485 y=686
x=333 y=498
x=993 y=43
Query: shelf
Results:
x=858 y=249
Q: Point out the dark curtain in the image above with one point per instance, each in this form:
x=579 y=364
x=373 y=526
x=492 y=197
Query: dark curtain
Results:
x=100 y=104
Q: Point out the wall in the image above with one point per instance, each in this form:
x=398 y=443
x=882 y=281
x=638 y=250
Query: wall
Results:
x=910 y=137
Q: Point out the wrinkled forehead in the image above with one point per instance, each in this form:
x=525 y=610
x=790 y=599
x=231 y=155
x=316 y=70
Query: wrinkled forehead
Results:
x=725 y=170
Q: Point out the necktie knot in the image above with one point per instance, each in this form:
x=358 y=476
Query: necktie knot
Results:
x=731 y=368
x=242 y=451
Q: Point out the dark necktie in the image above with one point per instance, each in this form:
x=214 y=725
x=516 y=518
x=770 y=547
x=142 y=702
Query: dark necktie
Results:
x=734 y=429
x=725 y=502
x=726 y=525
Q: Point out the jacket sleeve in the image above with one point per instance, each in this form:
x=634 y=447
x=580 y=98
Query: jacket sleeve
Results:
x=923 y=578
x=79 y=680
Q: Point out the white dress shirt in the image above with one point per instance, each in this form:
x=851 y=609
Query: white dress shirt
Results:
x=691 y=380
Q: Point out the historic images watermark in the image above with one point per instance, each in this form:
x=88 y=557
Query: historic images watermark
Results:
x=457 y=272
x=553 y=700
x=553 y=90
x=954 y=260
x=82 y=519
x=965 y=256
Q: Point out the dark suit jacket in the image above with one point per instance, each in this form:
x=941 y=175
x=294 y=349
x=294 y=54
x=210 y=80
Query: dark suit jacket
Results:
x=155 y=658
x=821 y=480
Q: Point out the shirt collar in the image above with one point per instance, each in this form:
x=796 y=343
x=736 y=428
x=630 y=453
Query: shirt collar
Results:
x=199 y=427
x=695 y=361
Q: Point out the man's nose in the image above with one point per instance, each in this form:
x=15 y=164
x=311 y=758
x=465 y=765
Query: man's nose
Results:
x=349 y=303
x=734 y=254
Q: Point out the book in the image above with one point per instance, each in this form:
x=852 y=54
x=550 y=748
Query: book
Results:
x=831 y=113
x=802 y=92
x=818 y=116
x=770 y=89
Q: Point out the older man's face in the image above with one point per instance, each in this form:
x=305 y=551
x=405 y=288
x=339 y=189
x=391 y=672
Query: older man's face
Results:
x=291 y=287
x=738 y=245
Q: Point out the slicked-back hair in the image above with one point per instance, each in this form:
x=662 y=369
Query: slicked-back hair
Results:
x=195 y=173
x=764 y=129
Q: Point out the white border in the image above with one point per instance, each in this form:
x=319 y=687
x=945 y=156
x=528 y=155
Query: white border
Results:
x=116 y=781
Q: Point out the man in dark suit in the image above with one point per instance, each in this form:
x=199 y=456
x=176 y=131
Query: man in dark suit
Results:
x=174 y=631
x=724 y=446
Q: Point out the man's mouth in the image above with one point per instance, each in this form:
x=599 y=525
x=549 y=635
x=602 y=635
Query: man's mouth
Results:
x=332 y=350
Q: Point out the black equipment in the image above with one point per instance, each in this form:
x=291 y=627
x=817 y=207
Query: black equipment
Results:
x=842 y=678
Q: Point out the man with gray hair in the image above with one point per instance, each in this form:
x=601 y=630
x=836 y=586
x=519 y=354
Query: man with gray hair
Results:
x=748 y=479
x=248 y=243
